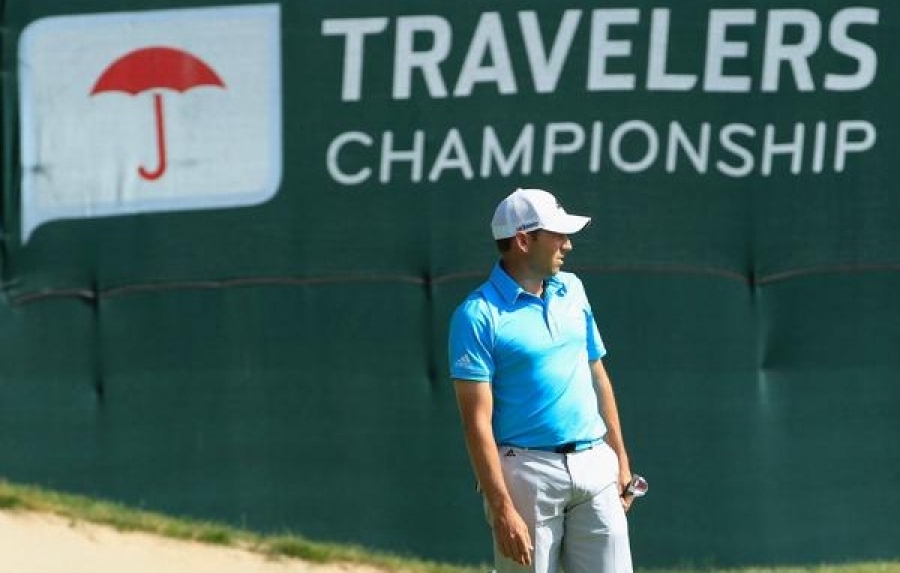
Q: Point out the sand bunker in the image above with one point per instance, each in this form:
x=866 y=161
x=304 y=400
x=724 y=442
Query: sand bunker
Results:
x=39 y=543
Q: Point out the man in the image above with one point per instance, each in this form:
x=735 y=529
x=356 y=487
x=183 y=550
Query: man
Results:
x=537 y=407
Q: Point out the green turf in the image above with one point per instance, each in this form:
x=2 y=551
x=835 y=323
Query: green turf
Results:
x=16 y=497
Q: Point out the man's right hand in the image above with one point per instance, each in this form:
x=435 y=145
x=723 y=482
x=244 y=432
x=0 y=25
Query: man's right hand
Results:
x=512 y=536
x=476 y=405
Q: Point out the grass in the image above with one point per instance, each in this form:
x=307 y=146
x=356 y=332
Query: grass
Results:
x=16 y=497
x=868 y=567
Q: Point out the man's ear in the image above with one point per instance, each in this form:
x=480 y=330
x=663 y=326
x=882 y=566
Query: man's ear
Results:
x=523 y=241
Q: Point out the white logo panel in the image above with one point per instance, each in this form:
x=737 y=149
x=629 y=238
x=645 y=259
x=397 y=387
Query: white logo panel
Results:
x=149 y=111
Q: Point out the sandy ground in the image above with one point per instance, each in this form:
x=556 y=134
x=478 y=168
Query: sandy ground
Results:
x=39 y=543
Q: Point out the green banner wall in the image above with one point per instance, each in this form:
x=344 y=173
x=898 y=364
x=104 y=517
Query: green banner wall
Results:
x=257 y=334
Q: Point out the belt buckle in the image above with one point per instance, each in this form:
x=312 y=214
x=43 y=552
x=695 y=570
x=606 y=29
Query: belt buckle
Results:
x=566 y=448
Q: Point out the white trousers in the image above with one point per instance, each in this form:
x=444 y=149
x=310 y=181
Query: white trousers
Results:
x=572 y=507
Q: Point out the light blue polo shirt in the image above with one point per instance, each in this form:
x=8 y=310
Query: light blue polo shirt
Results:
x=535 y=353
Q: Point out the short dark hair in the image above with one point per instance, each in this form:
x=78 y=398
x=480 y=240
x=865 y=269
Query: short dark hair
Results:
x=503 y=245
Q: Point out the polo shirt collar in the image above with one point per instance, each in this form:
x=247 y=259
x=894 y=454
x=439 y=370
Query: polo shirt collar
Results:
x=510 y=290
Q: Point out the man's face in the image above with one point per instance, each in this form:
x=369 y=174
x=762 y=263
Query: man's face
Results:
x=547 y=251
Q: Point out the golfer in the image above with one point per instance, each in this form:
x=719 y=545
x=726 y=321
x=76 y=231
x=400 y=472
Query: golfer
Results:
x=537 y=407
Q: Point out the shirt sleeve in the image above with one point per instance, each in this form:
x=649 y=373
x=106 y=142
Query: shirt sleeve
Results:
x=595 y=347
x=471 y=342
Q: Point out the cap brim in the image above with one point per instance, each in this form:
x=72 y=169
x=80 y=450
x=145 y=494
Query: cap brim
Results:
x=567 y=224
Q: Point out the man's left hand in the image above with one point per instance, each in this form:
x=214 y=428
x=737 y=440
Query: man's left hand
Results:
x=624 y=480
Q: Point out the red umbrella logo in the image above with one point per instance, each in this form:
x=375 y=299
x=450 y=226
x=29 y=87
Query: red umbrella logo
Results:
x=156 y=68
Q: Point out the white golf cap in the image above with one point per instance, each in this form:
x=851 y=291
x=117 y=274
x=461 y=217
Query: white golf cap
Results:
x=530 y=209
